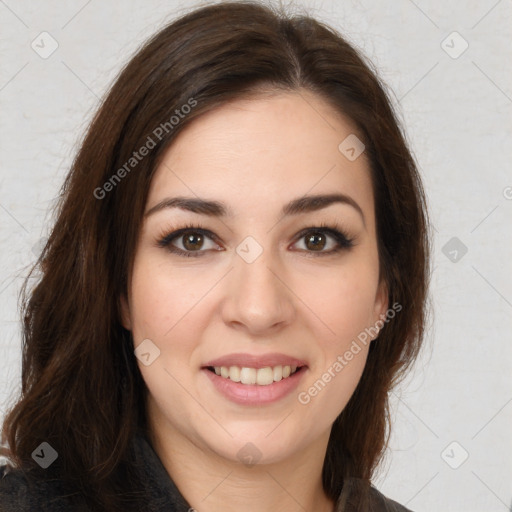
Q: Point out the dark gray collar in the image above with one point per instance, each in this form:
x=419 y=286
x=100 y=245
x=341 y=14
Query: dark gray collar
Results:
x=165 y=496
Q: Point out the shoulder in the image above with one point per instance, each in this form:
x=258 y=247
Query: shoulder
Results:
x=358 y=494
x=385 y=503
x=13 y=491
x=21 y=493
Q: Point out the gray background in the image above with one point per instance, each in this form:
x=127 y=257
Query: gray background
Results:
x=457 y=113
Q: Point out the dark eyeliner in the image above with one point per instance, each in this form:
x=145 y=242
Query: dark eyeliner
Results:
x=166 y=238
x=344 y=242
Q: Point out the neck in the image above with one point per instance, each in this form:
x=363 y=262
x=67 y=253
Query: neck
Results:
x=211 y=483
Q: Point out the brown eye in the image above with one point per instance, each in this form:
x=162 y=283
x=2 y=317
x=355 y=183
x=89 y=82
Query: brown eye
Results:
x=193 y=241
x=316 y=241
x=323 y=240
x=189 y=241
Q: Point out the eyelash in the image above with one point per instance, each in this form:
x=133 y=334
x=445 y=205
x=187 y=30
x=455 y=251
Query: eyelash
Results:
x=334 y=230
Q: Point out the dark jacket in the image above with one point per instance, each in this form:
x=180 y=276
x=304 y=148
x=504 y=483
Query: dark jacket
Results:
x=17 y=494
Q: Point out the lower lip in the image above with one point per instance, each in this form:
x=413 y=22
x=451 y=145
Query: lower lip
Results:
x=247 y=394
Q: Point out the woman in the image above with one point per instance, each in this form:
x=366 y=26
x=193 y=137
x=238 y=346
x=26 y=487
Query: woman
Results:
x=236 y=278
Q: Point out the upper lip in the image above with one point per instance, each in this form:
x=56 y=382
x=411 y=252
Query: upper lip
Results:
x=255 y=361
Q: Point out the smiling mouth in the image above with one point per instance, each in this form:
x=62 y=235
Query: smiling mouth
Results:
x=255 y=376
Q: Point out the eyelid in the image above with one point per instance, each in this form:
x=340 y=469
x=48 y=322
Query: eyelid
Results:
x=167 y=236
x=334 y=231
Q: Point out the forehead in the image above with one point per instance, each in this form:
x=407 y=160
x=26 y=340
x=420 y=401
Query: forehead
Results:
x=263 y=151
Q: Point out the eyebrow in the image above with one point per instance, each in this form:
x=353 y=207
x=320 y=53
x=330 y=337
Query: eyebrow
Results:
x=297 y=206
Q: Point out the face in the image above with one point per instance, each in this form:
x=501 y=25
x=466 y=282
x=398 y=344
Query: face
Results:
x=262 y=290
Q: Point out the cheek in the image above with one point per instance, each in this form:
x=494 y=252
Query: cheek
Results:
x=161 y=307
x=160 y=298
x=331 y=385
x=343 y=305
x=168 y=308
x=343 y=299
x=339 y=365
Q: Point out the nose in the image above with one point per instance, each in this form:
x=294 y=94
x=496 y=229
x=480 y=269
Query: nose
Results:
x=258 y=298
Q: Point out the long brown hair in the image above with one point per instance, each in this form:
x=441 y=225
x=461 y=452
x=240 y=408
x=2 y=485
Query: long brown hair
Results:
x=82 y=391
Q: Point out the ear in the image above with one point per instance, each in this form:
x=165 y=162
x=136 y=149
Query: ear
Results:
x=381 y=304
x=124 y=310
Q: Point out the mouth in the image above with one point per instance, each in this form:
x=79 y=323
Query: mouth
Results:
x=256 y=376
x=255 y=379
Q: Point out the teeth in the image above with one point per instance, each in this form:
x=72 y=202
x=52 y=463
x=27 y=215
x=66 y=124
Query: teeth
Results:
x=248 y=376
x=234 y=373
x=259 y=376
x=265 y=376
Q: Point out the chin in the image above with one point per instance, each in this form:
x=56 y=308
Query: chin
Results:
x=262 y=443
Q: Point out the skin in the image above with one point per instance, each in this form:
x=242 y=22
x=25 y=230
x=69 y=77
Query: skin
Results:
x=255 y=155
